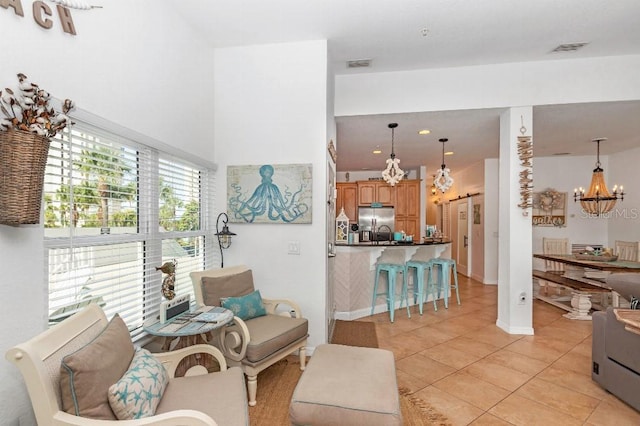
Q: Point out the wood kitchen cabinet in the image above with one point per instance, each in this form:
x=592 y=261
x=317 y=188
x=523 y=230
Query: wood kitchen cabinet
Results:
x=375 y=192
x=347 y=198
x=407 y=207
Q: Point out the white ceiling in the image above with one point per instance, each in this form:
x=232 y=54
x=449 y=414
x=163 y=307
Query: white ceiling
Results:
x=458 y=33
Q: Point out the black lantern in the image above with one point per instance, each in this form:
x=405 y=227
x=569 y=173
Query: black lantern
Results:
x=224 y=236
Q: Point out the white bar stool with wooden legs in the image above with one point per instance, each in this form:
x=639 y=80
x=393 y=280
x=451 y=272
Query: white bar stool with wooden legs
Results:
x=392 y=270
x=446 y=268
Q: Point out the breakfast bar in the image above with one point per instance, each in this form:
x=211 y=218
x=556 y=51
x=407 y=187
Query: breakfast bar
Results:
x=355 y=266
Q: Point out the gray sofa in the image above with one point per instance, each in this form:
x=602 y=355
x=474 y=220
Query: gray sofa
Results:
x=616 y=358
x=626 y=284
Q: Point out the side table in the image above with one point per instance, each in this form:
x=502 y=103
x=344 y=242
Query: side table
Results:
x=190 y=328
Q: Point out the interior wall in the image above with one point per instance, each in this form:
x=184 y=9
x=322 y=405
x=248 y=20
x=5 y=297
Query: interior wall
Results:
x=491 y=188
x=271 y=108
x=124 y=66
x=564 y=174
x=490 y=86
x=624 y=221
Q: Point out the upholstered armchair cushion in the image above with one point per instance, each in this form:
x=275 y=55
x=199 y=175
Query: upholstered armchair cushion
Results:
x=214 y=289
x=222 y=399
x=86 y=374
x=271 y=333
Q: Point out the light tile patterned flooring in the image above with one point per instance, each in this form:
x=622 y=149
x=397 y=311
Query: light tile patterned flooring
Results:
x=459 y=361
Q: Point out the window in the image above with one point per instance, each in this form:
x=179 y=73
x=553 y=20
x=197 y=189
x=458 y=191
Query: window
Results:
x=115 y=210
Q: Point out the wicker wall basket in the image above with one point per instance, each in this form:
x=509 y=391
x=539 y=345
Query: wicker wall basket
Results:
x=23 y=157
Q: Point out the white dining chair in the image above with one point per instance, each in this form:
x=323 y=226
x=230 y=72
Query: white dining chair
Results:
x=627 y=250
x=553 y=246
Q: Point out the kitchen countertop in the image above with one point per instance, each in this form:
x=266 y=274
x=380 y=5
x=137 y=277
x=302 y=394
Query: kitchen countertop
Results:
x=392 y=244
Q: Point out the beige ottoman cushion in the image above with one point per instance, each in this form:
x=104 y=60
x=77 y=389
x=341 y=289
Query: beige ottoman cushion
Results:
x=347 y=385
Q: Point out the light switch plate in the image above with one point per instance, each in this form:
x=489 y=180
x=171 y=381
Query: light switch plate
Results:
x=293 y=247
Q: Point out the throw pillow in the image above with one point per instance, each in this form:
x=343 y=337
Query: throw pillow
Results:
x=635 y=303
x=85 y=375
x=245 y=307
x=139 y=391
x=216 y=288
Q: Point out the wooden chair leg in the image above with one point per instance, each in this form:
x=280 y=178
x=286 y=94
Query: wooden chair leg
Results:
x=252 y=387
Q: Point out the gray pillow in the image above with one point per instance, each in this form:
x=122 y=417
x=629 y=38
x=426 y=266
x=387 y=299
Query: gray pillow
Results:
x=216 y=288
x=85 y=375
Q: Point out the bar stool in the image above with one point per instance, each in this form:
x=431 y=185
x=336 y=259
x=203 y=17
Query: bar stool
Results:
x=418 y=267
x=392 y=270
x=446 y=267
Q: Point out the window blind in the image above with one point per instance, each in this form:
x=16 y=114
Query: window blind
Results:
x=115 y=211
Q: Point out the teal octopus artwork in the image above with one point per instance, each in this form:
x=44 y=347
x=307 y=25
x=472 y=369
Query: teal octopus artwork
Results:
x=278 y=194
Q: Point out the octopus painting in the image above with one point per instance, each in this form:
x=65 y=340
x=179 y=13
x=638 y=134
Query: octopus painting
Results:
x=168 y=282
x=284 y=202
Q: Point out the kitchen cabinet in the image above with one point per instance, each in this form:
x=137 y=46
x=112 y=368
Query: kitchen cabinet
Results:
x=347 y=198
x=407 y=207
x=375 y=192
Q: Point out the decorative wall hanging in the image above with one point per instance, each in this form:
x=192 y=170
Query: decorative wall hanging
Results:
x=332 y=151
x=477 y=215
x=549 y=208
x=598 y=200
x=442 y=179
x=26 y=124
x=393 y=173
x=270 y=193
x=525 y=153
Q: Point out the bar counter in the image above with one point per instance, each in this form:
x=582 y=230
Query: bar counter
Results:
x=355 y=267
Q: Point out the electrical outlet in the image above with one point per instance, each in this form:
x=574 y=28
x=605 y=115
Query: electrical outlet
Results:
x=293 y=247
x=522 y=298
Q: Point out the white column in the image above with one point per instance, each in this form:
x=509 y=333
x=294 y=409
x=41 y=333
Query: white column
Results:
x=514 y=245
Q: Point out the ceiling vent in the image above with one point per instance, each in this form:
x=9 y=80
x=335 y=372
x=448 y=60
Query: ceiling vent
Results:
x=569 y=47
x=359 y=63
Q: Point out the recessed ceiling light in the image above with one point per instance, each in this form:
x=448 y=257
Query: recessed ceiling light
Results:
x=569 y=47
x=377 y=151
x=424 y=132
x=359 y=63
x=448 y=153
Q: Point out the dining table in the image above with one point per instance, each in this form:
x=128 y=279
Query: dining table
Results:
x=584 y=276
x=596 y=263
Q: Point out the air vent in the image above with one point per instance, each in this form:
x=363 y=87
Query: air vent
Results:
x=359 y=63
x=569 y=47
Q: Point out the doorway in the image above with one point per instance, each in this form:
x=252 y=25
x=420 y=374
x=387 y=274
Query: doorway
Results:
x=462 y=238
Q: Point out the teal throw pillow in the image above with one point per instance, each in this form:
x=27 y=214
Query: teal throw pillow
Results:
x=245 y=307
x=139 y=391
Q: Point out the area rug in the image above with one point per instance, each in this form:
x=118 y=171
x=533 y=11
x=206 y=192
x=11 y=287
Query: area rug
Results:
x=275 y=389
x=355 y=333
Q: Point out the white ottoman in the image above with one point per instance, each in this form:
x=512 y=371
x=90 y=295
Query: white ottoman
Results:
x=347 y=385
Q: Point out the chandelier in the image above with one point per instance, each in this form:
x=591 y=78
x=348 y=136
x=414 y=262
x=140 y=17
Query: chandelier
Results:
x=598 y=200
x=393 y=173
x=442 y=179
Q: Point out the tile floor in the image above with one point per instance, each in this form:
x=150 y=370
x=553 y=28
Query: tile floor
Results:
x=458 y=360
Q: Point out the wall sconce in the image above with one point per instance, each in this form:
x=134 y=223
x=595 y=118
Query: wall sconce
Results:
x=224 y=236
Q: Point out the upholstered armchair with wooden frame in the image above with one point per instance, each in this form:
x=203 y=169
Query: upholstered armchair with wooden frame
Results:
x=255 y=343
x=105 y=347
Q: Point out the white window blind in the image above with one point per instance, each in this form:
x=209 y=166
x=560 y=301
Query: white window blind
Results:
x=115 y=210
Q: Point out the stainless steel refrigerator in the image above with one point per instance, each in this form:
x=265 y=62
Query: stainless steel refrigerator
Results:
x=378 y=219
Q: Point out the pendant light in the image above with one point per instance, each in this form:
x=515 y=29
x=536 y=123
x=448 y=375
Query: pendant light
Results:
x=598 y=200
x=393 y=173
x=443 y=180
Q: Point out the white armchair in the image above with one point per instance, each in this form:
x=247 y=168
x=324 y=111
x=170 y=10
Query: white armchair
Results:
x=257 y=343
x=182 y=403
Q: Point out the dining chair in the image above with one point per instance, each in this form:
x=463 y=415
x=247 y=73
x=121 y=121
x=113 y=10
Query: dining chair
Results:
x=627 y=250
x=553 y=246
